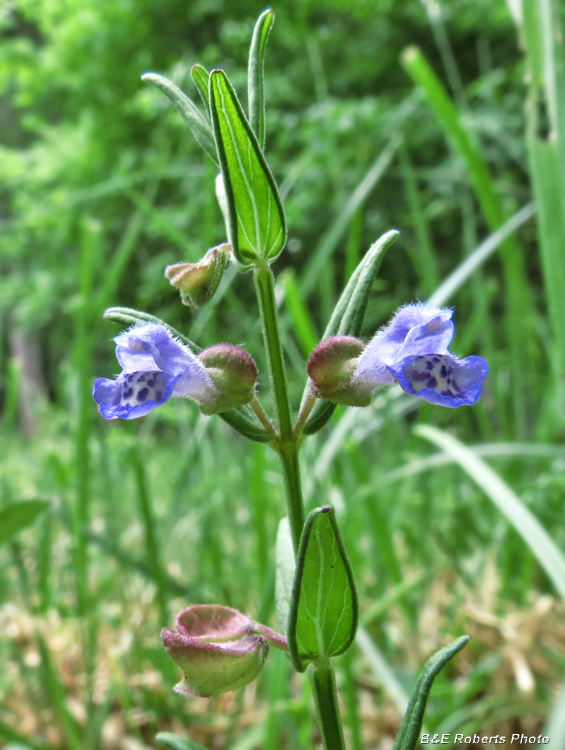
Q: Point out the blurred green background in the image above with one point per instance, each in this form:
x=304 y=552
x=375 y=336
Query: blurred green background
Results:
x=102 y=186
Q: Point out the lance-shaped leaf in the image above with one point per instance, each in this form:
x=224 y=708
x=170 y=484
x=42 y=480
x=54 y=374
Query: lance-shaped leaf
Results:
x=189 y=112
x=201 y=78
x=409 y=732
x=240 y=419
x=15 y=517
x=256 y=75
x=257 y=228
x=175 y=742
x=347 y=317
x=323 y=609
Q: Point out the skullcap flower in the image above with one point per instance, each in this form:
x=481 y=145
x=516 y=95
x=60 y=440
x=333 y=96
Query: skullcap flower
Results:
x=156 y=365
x=412 y=350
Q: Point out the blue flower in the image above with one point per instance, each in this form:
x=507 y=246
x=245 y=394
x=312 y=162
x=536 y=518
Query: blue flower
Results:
x=155 y=366
x=413 y=351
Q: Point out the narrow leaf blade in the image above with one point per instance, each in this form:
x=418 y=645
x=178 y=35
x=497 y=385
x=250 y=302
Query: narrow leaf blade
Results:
x=175 y=742
x=323 y=609
x=201 y=78
x=526 y=524
x=256 y=74
x=17 y=516
x=189 y=112
x=257 y=226
x=409 y=733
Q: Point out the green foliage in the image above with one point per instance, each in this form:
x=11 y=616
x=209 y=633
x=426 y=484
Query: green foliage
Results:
x=409 y=735
x=257 y=229
x=174 y=742
x=323 y=607
x=17 y=516
x=87 y=149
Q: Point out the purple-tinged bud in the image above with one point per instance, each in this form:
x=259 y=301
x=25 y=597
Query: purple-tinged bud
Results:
x=331 y=367
x=218 y=648
x=234 y=374
x=198 y=282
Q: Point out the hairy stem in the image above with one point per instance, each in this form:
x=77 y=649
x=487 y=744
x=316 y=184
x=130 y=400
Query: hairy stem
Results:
x=265 y=286
x=259 y=412
x=307 y=407
x=322 y=679
x=287 y=445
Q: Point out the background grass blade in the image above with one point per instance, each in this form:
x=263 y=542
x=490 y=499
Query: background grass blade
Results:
x=542 y=30
x=459 y=276
x=330 y=241
x=526 y=524
x=519 y=318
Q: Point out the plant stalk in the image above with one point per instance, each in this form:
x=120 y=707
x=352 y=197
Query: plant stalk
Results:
x=322 y=679
x=286 y=445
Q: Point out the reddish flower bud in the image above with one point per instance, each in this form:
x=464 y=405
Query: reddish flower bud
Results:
x=331 y=367
x=234 y=374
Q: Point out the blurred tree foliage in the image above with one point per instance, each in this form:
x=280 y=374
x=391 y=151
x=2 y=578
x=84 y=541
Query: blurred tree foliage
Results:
x=84 y=143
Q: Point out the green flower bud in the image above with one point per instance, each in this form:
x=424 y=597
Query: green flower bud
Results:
x=218 y=648
x=331 y=367
x=198 y=282
x=234 y=374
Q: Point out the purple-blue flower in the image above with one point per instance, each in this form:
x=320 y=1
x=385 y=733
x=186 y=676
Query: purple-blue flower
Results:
x=412 y=350
x=155 y=366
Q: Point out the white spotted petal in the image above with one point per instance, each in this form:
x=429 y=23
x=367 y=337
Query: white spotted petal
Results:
x=155 y=366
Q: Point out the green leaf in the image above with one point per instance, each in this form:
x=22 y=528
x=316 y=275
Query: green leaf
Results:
x=174 y=742
x=347 y=317
x=409 y=733
x=189 y=112
x=257 y=228
x=201 y=78
x=323 y=609
x=256 y=74
x=285 y=574
x=17 y=516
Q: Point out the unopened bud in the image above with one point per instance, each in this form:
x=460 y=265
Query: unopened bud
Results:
x=198 y=282
x=218 y=648
x=234 y=374
x=331 y=367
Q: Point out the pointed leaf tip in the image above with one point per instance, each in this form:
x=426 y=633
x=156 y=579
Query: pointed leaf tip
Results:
x=256 y=221
x=323 y=609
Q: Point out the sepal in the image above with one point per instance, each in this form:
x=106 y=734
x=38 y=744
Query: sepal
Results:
x=198 y=282
x=331 y=367
x=233 y=372
x=218 y=649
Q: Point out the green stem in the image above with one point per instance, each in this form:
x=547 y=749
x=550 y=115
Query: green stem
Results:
x=288 y=453
x=265 y=286
x=321 y=674
x=286 y=445
x=322 y=679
